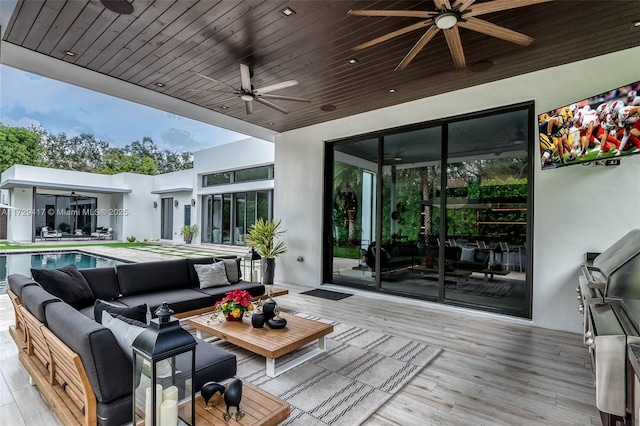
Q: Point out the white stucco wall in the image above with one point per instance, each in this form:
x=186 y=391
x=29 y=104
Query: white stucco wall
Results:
x=568 y=221
x=250 y=152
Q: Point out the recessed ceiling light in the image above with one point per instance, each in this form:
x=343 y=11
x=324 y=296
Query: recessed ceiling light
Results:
x=328 y=108
x=636 y=24
x=287 y=11
x=160 y=84
x=392 y=90
x=70 y=53
x=352 y=61
x=270 y=123
x=224 y=107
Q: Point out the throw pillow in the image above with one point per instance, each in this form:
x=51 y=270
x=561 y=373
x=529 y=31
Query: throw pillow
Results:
x=67 y=283
x=138 y=313
x=213 y=275
x=467 y=254
x=231 y=268
x=125 y=335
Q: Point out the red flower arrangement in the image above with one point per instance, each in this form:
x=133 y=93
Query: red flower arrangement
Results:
x=233 y=305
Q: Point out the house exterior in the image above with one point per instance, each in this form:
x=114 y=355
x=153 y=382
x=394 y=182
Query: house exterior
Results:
x=141 y=206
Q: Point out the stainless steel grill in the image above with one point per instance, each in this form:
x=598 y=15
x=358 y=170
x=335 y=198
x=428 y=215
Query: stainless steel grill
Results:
x=609 y=299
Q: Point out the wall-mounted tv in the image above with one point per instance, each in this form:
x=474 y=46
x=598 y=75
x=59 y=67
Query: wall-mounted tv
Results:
x=600 y=128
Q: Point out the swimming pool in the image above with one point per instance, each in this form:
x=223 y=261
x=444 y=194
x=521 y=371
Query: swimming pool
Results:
x=21 y=263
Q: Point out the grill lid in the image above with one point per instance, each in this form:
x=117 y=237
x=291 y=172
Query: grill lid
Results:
x=619 y=253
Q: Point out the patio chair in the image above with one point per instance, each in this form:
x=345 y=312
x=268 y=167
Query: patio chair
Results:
x=103 y=234
x=46 y=234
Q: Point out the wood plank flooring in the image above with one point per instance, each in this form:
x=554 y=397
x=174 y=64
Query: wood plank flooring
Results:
x=493 y=370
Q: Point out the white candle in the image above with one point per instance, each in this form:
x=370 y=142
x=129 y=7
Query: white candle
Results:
x=170 y=394
x=169 y=414
x=148 y=421
x=187 y=388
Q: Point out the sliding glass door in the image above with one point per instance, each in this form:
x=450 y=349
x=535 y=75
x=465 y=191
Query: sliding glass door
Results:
x=437 y=211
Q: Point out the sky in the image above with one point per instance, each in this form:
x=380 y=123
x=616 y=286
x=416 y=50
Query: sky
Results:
x=31 y=100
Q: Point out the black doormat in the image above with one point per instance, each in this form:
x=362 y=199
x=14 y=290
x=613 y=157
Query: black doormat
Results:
x=326 y=294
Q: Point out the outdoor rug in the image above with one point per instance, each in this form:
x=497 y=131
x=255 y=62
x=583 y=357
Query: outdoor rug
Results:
x=326 y=294
x=358 y=373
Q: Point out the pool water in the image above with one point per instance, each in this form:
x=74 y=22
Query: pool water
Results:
x=21 y=263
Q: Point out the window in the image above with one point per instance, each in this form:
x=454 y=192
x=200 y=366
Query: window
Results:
x=187 y=215
x=237 y=176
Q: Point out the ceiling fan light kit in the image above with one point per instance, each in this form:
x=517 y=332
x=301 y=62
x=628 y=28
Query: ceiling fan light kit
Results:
x=449 y=19
x=446 y=20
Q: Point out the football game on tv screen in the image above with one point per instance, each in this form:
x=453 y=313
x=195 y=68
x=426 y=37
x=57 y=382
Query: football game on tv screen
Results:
x=598 y=129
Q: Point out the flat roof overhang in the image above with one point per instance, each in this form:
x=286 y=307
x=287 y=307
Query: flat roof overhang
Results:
x=16 y=183
x=172 y=190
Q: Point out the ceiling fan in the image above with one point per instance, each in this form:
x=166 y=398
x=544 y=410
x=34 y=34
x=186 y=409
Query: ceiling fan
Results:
x=448 y=18
x=248 y=93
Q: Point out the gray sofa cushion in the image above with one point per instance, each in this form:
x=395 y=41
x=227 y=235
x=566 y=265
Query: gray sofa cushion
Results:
x=193 y=275
x=149 y=277
x=35 y=299
x=238 y=261
x=183 y=300
x=116 y=412
x=67 y=283
x=108 y=368
x=17 y=282
x=212 y=363
x=103 y=282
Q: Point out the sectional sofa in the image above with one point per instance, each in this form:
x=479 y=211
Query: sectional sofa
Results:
x=77 y=363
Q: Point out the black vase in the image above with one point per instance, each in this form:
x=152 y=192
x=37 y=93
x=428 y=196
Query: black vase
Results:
x=208 y=390
x=257 y=320
x=268 y=270
x=269 y=308
x=232 y=397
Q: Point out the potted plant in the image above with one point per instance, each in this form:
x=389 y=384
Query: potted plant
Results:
x=188 y=232
x=264 y=236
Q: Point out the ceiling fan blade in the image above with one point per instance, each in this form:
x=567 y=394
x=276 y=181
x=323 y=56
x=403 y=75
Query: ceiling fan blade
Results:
x=284 y=98
x=393 y=34
x=245 y=77
x=277 y=86
x=214 y=80
x=426 y=38
x=442 y=4
x=493 y=30
x=249 y=106
x=498 y=5
x=272 y=105
x=463 y=5
x=387 y=13
x=455 y=46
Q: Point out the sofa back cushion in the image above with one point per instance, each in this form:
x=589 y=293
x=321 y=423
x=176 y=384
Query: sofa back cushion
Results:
x=103 y=282
x=148 y=277
x=36 y=299
x=67 y=283
x=108 y=368
x=17 y=282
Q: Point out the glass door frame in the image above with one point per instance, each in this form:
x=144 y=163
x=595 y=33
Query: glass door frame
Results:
x=327 y=250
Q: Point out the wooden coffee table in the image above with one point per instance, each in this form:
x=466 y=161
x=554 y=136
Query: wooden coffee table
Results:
x=269 y=343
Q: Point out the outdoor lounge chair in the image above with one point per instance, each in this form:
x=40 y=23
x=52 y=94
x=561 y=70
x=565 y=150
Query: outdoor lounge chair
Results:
x=103 y=234
x=46 y=234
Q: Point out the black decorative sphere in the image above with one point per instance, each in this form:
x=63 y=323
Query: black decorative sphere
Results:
x=277 y=322
x=257 y=320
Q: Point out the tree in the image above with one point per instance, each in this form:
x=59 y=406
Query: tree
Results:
x=19 y=146
x=118 y=161
x=82 y=153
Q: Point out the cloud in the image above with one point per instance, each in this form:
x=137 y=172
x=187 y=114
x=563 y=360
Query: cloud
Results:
x=64 y=108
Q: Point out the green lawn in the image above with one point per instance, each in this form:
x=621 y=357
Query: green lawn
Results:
x=346 y=252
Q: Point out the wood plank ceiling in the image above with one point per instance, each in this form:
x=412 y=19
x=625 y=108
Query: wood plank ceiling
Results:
x=167 y=41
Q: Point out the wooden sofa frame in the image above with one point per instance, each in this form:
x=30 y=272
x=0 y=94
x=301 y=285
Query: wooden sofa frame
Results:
x=55 y=369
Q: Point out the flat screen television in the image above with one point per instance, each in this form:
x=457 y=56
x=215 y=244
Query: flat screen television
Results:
x=597 y=129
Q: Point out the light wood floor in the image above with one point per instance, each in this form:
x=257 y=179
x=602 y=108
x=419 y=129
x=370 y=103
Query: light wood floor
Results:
x=492 y=370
